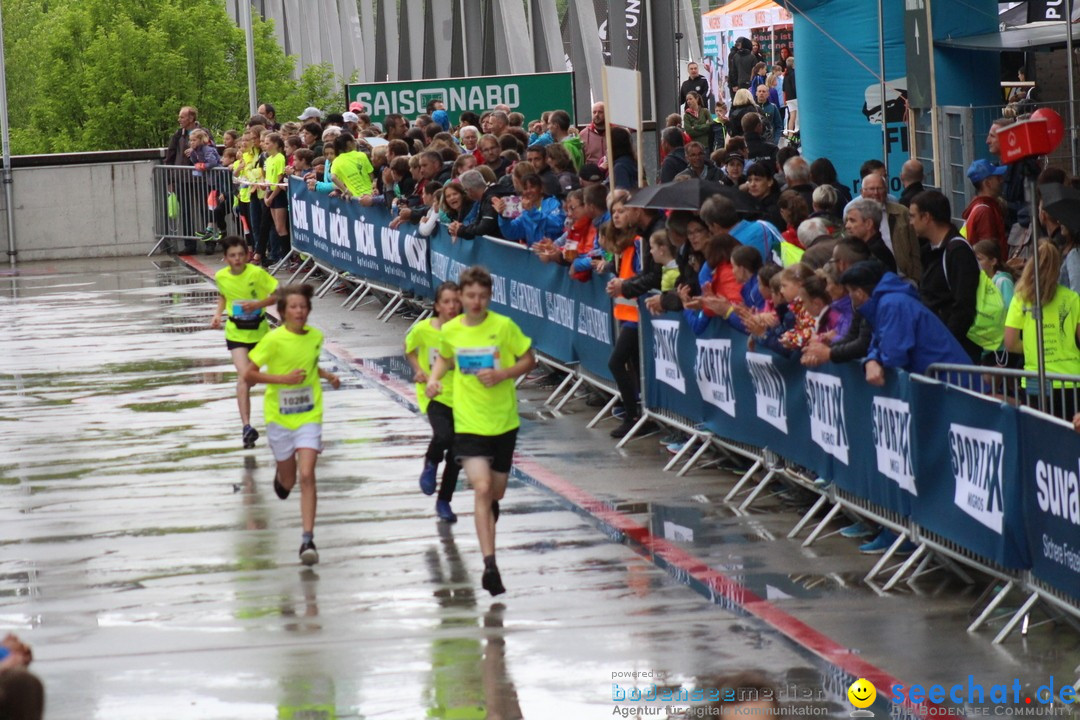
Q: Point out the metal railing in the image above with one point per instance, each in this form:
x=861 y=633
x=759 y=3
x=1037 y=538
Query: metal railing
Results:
x=188 y=203
x=1060 y=397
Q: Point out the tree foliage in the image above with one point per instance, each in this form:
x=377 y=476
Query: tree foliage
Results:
x=110 y=74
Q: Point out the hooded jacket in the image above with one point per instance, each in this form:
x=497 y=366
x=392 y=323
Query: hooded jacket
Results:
x=573 y=145
x=906 y=334
x=532 y=226
x=743 y=66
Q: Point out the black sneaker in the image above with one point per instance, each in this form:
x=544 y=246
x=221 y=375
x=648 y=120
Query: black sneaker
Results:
x=308 y=554
x=626 y=426
x=492 y=580
x=495 y=509
x=250 y=436
x=280 y=489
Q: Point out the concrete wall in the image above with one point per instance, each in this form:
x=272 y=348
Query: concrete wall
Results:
x=81 y=211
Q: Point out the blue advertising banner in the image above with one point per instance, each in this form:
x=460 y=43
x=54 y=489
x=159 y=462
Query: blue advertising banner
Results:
x=359 y=240
x=967 y=472
x=1050 y=469
x=568 y=320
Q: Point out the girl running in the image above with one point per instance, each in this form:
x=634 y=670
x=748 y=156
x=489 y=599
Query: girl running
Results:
x=293 y=405
x=422 y=350
x=245 y=289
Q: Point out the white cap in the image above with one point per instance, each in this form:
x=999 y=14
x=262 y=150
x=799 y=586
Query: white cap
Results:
x=350 y=117
x=311 y=113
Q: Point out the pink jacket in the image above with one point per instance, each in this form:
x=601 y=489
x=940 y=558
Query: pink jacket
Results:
x=595 y=145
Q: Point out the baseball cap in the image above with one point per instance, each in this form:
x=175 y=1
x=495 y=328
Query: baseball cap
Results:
x=356 y=106
x=350 y=117
x=982 y=169
x=311 y=113
x=591 y=173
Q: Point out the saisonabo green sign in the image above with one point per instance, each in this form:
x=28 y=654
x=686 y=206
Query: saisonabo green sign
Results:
x=529 y=95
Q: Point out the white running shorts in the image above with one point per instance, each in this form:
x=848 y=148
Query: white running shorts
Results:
x=284 y=442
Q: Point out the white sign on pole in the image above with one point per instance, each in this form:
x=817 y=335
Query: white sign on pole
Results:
x=622 y=106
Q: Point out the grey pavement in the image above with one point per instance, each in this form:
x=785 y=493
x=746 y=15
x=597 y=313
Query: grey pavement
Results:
x=145 y=557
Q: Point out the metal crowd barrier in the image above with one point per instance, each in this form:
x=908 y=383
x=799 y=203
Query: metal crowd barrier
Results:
x=1060 y=399
x=180 y=202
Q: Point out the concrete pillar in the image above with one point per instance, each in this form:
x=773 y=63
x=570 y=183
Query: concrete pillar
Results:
x=439 y=39
x=367 y=30
x=386 y=41
x=618 y=43
x=548 y=52
x=664 y=73
x=586 y=55
x=351 y=38
x=411 y=40
x=691 y=42
x=472 y=13
x=511 y=36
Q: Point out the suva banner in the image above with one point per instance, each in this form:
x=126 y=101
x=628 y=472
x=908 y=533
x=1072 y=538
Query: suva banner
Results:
x=529 y=95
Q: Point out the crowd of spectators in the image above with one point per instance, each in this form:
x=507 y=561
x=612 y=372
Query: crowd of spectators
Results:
x=784 y=253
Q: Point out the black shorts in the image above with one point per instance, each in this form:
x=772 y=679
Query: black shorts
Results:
x=233 y=344
x=280 y=202
x=499 y=449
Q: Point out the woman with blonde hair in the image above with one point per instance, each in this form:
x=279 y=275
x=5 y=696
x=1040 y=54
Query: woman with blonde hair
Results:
x=1061 y=332
x=742 y=105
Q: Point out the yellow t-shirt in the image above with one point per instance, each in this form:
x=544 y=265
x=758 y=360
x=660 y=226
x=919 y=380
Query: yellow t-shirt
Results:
x=275 y=169
x=281 y=352
x=253 y=283
x=1060 y=317
x=495 y=343
x=355 y=170
x=424 y=339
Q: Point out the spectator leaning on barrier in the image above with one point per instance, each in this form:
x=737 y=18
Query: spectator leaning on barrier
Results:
x=482 y=218
x=950 y=271
x=906 y=334
x=1061 y=329
x=854 y=344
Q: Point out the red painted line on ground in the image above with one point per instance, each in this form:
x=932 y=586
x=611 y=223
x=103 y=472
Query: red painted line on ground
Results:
x=738 y=594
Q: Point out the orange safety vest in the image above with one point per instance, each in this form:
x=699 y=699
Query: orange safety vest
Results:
x=626 y=309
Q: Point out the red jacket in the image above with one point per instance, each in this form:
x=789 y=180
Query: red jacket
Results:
x=984 y=220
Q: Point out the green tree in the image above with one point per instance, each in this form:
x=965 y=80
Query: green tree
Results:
x=109 y=74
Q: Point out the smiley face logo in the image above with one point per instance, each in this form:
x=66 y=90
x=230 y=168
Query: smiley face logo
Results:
x=862 y=693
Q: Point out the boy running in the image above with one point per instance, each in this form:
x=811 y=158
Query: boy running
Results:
x=293 y=405
x=244 y=289
x=489 y=351
x=422 y=351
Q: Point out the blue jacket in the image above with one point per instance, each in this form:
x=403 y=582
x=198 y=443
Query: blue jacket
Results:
x=907 y=334
x=536 y=224
x=752 y=298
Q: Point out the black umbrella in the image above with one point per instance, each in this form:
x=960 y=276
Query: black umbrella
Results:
x=690 y=195
x=1063 y=204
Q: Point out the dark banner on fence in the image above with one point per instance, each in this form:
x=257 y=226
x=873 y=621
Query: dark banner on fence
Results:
x=1051 y=472
x=831 y=421
x=569 y=321
x=359 y=240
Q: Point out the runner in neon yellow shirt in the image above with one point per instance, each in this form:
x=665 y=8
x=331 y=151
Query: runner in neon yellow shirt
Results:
x=422 y=351
x=293 y=404
x=244 y=290
x=352 y=169
x=489 y=351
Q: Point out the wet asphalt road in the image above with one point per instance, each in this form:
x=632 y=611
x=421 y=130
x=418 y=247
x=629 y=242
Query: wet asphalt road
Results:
x=146 y=558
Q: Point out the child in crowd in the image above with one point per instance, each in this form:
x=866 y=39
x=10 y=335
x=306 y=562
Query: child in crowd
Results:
x=230 y=139
x=489 y=352
x=663 y=252
x=292 y=144
x=277 y=197
x=204 y=157
x=293 y=405
x=244 y=289
x=302 y=162
x=422 y=351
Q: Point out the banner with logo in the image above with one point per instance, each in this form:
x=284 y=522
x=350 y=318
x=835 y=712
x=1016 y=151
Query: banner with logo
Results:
x=359 y=240
x=529 y=94
x=1050 y=468
x=967 y=472
x=568 y=320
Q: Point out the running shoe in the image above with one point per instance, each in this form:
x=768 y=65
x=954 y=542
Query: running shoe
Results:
x=492 y=580
x=442 y=509
x=250 y=436
x=881 y=543
x=675 y=448
x=858 y=530
x=280 y=489
x=308 y=554
x=428 y=479
x=618 y=412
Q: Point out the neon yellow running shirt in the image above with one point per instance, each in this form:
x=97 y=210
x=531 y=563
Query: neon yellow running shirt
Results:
x=281 y=352
x=253 y=283
x=424 y=339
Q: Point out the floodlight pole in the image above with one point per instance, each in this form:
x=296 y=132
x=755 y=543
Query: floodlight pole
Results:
x=5 y=138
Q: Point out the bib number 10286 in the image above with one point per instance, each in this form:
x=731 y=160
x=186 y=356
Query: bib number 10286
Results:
x=296 y=400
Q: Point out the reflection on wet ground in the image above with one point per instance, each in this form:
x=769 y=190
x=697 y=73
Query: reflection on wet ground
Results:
x=146 y=558
x=149 y=562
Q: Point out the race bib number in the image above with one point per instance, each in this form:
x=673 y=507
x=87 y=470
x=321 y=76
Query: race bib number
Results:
x=296 y=400
x=472 y=360
x=239 y=314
